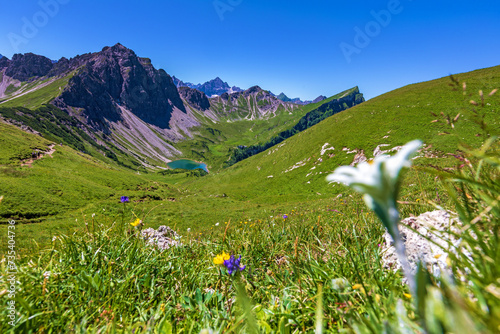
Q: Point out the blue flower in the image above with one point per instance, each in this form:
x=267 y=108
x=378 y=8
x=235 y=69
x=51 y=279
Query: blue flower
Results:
x=233 y=264
x=285 y=216
x=124 y=199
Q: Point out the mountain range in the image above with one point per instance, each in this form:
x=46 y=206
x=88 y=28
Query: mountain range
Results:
x=297 y=100
x=217 y=87
x=211 y=88
x=115 y=104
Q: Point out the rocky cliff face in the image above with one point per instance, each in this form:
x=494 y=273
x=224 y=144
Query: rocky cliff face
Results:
x=24 y=67
x=195 y=98
x=4 y=62
x=116 y=78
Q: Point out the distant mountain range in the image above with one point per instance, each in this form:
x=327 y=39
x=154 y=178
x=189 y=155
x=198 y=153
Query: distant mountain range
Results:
x=217 y=87
x=297 y=100
x=211 y=88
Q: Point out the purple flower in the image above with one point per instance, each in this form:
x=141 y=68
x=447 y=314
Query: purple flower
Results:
x=285 y=216
x=124 y=199
x=233 y=264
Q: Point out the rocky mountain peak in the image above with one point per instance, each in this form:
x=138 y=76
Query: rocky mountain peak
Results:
x=252 y=90
x=4 y=62
x=283 y=97
x=116 y=78
x=319 y=99
x=24 y=67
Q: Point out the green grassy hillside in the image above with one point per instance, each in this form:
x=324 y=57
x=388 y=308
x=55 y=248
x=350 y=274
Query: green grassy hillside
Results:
x=60 y=183
x=36 y=93
x=392 y=119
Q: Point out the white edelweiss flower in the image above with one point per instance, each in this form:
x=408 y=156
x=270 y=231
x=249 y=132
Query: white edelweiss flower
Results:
x=379 y=182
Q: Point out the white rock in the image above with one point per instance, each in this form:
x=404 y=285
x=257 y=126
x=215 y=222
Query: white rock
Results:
x=434 y=226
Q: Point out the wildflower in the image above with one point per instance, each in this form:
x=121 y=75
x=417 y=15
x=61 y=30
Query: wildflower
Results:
x=379 y=180
x=46 y=274
x=285 y=216
x=124 y=199
x=189 y=229
x=219 y=259
x=217 y=224
x=136 y=222
x=233 y=264
x=407 y=295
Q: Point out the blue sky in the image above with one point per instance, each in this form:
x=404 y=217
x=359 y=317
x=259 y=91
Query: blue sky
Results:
x=301 y=48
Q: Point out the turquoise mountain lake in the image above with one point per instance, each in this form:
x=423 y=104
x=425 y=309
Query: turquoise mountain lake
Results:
x=187 y=164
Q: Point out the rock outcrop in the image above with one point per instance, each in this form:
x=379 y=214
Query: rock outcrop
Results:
x=431 y=244
x=28 y=66
x=195 y=98
x=163 y=238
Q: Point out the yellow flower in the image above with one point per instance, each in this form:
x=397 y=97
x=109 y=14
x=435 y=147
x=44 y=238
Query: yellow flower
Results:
x=136 y=222
x=358 y=287
x=407 y=295
x=219 y=259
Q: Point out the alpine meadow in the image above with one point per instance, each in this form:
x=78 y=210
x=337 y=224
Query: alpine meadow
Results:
x=134 y=201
